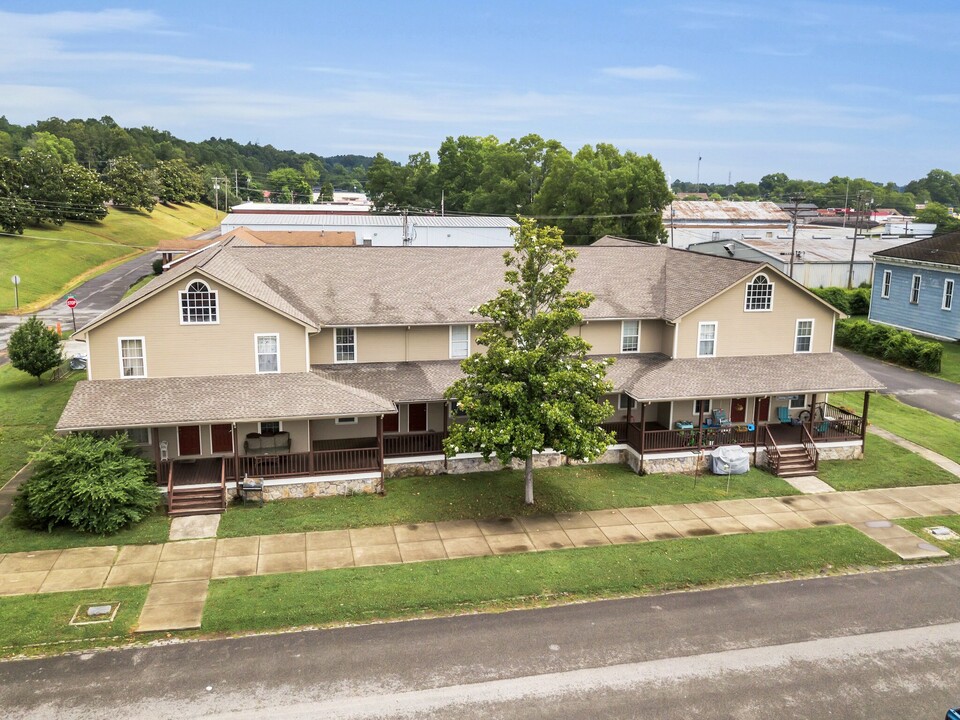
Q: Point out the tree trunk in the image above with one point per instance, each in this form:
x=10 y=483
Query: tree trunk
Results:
x=528 y=481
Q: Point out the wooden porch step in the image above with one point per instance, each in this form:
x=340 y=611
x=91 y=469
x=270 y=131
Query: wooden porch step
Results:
x=195 y=501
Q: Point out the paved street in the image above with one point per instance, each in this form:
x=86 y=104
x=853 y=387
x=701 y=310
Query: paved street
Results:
x=877 y=645
x=913 y=388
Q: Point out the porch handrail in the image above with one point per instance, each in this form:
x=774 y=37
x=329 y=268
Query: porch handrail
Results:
x=773 y=450
x=169 y=480
x=223 y=483
x=810 y=446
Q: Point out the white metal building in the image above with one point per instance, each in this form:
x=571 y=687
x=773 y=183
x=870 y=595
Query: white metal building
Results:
x=416 y=230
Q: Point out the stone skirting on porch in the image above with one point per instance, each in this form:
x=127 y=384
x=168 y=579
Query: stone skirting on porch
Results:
x=474 y=462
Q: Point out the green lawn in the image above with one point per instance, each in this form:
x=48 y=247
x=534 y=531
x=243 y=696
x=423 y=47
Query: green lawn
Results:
x=154 y=528
x=396 y=591
x=884 y=465
x=950 y=365
x=494 y=494
x=51 y=260
x=40 y=624
x=139 y=284
x=916 y=526
x=28 y=411
x=924 y=428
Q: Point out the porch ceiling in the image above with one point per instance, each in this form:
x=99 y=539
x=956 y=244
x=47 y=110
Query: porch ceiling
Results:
x=224 y=398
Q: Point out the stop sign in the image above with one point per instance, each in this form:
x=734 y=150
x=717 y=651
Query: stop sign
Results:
x=71 y=302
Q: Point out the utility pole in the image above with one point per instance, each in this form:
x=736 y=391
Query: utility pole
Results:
x=793 y=241
x=216 y=194
x=236 y=183
x=699 y=158
x=672 y=214
x=861 y=195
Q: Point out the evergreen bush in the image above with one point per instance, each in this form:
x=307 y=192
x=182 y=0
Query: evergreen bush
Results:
x=91 y=484
x=890 y=344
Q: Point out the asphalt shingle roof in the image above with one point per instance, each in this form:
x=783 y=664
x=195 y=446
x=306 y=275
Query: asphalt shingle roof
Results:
x=222 y=398
x=941 y=249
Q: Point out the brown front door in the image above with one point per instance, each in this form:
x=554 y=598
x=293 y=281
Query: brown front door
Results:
x=763 y=412
x=221 y=438
x=417 y=417
x=391 y=423
x=738 y=410
x=188 y=440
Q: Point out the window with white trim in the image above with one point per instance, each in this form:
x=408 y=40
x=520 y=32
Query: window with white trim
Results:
x=798 y=401
x=759 y=294
x=915 y=290
x=270 y=427
x=133 y=357
x=707 y=340
x=198 y=304
x=803 y=342
x=268 y=352
x=701 y=404
x=885 y=285
x=345 y=421
x=626 y=402
x=138 y=435
x=947 y=303
x=459 y=341
x=345 y=345
x=630 y=336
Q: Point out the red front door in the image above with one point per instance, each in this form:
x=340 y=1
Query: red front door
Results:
x=417 y=418
x=188 y=440
x=221 y=438
x=738 y=410
x=763 y=412
x=391 y=423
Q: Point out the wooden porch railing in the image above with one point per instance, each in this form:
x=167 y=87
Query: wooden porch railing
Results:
x=674 y=440
x=223 y=483
x=841 y=424
x=620 y=427
x=169 y=480
x=422 y=443
x=773 y=452
x=811 y=447
x=316 y=462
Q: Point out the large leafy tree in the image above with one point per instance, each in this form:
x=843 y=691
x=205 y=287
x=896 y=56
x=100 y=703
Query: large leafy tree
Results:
x=87 y=194
x=177 y=182
x=535 y=387
x=130 y=185
x=34 y=348
x=44 y=186
x=934 y=212
x=14 y=208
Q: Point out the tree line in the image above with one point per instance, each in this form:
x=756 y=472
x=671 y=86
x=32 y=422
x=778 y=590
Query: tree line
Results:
x=938 y=186
x=593 y=192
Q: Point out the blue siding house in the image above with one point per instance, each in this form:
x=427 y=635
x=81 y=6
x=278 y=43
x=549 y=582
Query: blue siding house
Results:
x=916 y=287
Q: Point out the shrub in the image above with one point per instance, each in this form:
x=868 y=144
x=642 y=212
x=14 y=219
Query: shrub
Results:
x=890 y=344
x=157 y=266
x=91 y=484
x=34 y=348
x=859 y=300
x=851 y=302
x=835 y=296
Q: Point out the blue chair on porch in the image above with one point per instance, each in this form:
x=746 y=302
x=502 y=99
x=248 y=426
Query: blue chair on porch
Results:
x=783 y=414
x=720 y=418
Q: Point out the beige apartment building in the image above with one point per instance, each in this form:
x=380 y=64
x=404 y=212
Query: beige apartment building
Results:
x=323 y=369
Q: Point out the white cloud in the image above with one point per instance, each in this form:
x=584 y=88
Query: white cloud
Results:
x=648 y=72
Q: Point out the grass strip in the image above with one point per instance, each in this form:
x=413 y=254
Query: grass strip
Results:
x=44 y=620
x=917 y=525
x=155 y=528
x=495 y=494
x=884 y=465
x=924 y=428
x=399 y=591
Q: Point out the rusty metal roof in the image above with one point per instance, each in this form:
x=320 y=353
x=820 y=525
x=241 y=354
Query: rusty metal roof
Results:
x=724 y=211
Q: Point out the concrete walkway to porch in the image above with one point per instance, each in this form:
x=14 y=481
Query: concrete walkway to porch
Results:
x=179 y=571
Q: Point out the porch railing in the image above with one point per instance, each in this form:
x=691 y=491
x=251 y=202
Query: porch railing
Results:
x=621 y=428
x=833 y=422
x=674 y=440
x=811 y=447
x=316 y=462
x=422 y=443
x=773 y=452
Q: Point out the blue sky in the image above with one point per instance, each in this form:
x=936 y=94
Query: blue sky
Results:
x=813 y=89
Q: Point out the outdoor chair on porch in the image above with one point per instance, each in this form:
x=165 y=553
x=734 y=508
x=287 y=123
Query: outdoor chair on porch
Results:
x=783 y=414
x=720 y=418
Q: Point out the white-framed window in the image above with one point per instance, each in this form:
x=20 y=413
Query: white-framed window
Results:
x=345 y=421
x=707 y=339
x=456 y=411
x=270 y=427
x=267 y=347
x=133 y=357
x=915 y=290
x=198 y=304
x=345 y=345
x=803 y=341
x=626 y=402
x=759 y=294
x=798 y=401
x=630 y=336
x=885 y=285
x=947 y=303
x=459 y=341
x=698 y=404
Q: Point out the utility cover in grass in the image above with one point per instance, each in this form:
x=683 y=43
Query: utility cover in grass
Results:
x=95 y=613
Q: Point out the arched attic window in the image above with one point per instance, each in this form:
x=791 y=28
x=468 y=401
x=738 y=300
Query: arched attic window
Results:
x=198 y=304
x=759 y=294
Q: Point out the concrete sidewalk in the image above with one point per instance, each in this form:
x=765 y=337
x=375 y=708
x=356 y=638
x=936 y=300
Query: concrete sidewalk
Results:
x=179 y=571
